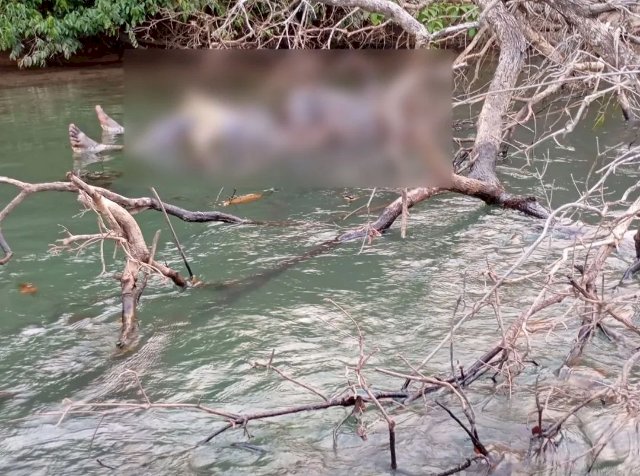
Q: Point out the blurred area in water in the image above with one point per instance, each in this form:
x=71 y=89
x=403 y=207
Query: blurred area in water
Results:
x=317 y=118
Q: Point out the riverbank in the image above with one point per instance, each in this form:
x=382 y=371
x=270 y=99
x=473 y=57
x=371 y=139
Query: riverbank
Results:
x=80 y=68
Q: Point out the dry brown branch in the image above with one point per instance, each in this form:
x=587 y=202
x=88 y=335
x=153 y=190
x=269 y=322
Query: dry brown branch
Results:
x=390 y=9
x=362 y=383
x=600 y=36
x=586 y=287
x=461 y=467
x=173 y=233
x=553 y=430
x=473 y=434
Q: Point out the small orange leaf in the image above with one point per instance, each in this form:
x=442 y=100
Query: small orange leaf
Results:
x=27 y=288
x=240 y=199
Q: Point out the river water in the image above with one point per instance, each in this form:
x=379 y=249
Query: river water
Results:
x=58 y=344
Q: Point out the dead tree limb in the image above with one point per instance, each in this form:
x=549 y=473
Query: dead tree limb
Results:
x=124 y=225
x=173 y=233
x=461 y=467
x=604 y=40
x=388 y=8
x=553 y=429
x=269 y=366
x=132 y=205
x=490 y=193
x=594 y=307
x=473 y=434
x=346 y=401
x=401 y=16
x=489 y=128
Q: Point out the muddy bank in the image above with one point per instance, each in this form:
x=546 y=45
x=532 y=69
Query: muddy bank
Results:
x=80 y=68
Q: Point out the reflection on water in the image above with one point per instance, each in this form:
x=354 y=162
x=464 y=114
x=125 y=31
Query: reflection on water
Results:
x=198 y=345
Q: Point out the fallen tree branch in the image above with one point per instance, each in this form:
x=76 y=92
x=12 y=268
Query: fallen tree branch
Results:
x=461 y=467
x=173 y=233
x=473 y=435
x=122 y=224
x=132 y=205
x=490 y=193
x=346 y=401
x=586 y=288
x=269 y=366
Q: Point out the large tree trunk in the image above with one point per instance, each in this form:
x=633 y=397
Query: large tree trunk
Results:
x=512 y=49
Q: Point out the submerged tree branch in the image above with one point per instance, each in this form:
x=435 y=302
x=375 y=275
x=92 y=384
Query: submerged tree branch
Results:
x=491 y=194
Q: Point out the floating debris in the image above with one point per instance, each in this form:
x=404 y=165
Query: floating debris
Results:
x=241 y=199
x=27 y=288
x=350 y=197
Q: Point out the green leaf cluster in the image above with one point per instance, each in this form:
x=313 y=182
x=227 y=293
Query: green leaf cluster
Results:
x=38 y=31
x=439 y=15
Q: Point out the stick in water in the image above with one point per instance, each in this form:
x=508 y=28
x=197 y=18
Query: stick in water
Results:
x=173 y=232
x=405 y=214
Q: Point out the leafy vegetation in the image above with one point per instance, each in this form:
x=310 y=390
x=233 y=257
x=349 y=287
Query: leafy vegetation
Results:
x=439 y=15
x=38 y=31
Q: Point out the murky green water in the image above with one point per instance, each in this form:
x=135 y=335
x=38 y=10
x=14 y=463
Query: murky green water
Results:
x=198 y=345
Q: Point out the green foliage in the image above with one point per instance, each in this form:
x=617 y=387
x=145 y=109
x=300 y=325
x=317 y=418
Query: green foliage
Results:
x=376 y=18
x=439 y=15
x=37 y=31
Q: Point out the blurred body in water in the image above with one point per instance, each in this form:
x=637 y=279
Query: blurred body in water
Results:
x=347 y=136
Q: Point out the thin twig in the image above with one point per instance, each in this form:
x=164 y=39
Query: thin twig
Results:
x=173 y=232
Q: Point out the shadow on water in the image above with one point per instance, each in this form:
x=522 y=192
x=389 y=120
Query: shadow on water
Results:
x=230 y=291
